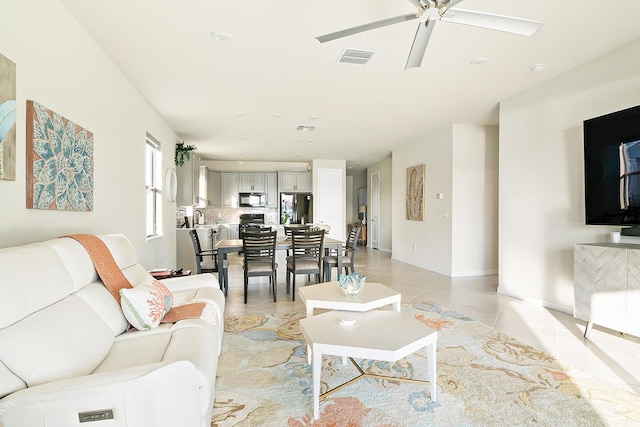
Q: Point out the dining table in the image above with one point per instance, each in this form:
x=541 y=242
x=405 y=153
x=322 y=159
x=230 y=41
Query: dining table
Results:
x=226 y=247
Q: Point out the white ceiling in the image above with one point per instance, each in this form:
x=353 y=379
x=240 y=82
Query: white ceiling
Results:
x=243 y=99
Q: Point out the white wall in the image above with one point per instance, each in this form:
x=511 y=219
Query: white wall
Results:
x=541 y=195
x=349 y=202
x=458 y=236
x=474 y=223
x=60 y=66
x=431 y=237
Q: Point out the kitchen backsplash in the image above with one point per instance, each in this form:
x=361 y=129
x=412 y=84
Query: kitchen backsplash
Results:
x=232 y=215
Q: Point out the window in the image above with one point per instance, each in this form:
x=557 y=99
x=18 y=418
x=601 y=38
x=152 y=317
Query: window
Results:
x=153 y=160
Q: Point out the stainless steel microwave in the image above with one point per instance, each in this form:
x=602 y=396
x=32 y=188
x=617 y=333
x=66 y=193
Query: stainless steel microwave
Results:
x=252 y=200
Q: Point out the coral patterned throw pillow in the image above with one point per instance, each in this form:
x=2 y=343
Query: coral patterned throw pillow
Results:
x=145 y=305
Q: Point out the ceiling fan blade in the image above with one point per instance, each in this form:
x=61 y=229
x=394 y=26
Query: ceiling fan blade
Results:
x=450 y=3
x=492 y=21
x=419 y=46
x=366 y=27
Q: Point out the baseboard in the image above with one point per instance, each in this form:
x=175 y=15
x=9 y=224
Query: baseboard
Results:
x=536 y=301
x=474 y=273
x=380 y=249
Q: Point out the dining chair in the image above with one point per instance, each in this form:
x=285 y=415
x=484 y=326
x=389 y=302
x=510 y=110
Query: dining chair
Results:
x=306 y=258
x=288 y=229
x=348 y=257
x=260 y=258
x=209 y=265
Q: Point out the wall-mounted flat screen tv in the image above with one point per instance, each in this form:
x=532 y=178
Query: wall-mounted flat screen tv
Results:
x=612 y=169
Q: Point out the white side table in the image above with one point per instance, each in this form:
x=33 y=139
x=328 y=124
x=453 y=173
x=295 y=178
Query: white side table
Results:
x=377 y=334
x=328 y=295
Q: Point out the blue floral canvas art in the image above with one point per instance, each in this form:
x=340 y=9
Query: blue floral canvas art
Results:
x=59 y=162
x=7 y=119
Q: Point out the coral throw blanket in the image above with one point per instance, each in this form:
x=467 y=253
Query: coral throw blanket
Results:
x=114 y=279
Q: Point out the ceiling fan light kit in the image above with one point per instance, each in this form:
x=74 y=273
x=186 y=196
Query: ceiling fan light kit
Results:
x=429 y=12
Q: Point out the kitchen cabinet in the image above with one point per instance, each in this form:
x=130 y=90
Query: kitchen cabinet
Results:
x=202 y=197
x=251 y=182
x=229 y=189
x=189 y=182
x=229 y=232
x=215 y=189
x=271 y=189
x=295 y=181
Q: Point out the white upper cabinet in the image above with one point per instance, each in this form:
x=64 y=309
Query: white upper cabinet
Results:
x=295 y=181
x=202 y=198
x=271 y=189
x=215 y=187
x=230 y=189
x=188 y=175
x=252 y=182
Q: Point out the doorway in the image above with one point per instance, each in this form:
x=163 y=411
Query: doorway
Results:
x=374 y=215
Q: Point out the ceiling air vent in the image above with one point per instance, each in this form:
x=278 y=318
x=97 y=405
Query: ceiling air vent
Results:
x=352 y=56
x=306 y=128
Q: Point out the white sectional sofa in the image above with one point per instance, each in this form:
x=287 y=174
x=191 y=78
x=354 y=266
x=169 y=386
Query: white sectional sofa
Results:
x=66 y=353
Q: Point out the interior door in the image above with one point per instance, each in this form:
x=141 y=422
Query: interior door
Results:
x=329 y=203
x=373 y=227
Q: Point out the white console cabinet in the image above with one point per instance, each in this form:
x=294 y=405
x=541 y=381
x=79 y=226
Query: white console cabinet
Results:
x=607 y=286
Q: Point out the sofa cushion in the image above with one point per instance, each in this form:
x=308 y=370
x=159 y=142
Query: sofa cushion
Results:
x=137 y=348
x=26 y=289
x=66 y=339
x=9 y=382
x=145 y=305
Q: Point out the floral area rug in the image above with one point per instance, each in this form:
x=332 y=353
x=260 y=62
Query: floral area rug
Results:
x=484 y=378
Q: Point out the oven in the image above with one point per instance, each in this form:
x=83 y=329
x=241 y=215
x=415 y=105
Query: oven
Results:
x=249 y=219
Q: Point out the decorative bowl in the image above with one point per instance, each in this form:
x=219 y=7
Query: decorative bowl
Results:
x=352 y=284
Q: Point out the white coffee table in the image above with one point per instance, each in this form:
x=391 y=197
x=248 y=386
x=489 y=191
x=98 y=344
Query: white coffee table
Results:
x=377 y=334
x=329 y=295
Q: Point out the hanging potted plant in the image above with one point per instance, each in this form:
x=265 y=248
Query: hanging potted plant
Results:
x=183 y=152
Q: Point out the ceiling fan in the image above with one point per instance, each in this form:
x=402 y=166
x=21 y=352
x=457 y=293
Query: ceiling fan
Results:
x=431 y=11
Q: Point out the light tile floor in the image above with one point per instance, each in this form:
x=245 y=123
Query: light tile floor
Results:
x=607 y=354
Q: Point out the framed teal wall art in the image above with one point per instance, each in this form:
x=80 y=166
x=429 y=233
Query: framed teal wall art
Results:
x=7 y=119
x=59 y=162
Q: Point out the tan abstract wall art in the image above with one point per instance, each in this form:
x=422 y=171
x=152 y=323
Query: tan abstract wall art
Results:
x=415 y=193
x=7 y=119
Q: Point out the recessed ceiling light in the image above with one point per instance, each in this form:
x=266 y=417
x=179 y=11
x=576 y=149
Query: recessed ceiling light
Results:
x=311 y=140
x=240 y=138
x=306 y=128
x=480 y=61
x=538 y=68
x=241 y=114
x=314 y=117
x=277 y=116
x=221 y=36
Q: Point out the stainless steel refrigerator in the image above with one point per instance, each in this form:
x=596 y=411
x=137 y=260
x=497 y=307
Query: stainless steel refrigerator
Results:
x=297 y=207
